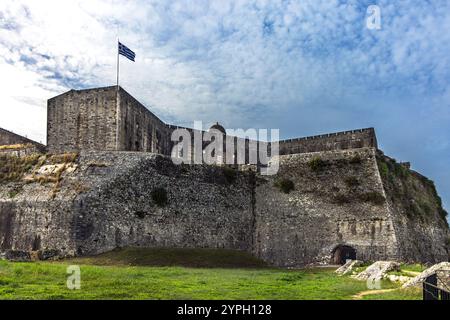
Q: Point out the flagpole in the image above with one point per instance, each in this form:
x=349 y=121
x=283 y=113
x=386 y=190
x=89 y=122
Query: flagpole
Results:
x=117 y=63
x=118 y=122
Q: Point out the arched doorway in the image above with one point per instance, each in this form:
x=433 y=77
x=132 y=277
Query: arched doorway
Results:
x=342 y=253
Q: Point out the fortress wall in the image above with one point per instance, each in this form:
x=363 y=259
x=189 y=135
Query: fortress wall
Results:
x=35 y=223
x=416 y=209
x=140 y=129
x=325 y=210
x=328 y=142
x=204 y=208
x=82 y=120
x=107 y=203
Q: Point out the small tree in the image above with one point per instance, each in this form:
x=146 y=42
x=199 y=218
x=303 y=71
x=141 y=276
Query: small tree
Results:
x=285 y=185
x=159 y=196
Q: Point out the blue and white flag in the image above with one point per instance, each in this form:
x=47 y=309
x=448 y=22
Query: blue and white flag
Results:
x=125 y=51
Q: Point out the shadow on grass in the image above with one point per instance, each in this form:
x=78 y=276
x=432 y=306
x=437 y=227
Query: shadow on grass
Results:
x=168 y=257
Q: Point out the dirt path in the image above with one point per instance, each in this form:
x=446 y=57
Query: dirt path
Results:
x=360 y=295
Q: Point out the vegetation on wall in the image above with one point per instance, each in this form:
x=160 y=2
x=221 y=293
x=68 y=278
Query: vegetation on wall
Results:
x=316 y=164
x=15 y=146
x=416 y=193
x=12 y=168
x=285 y=185
x=24 y=169
x=230 y=174
x=159 y=196
x=442 y=212
x=63 y=158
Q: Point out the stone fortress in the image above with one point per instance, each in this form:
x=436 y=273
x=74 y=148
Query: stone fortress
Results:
x=107 y=180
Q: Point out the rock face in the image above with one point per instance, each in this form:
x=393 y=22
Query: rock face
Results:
x=378 y=270
x=443 y=266
x=320 y=207
x=348 y=267
x=396 y=278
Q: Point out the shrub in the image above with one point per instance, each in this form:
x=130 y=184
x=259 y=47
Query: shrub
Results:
x=285 y=185
x=230 y=174
x=351 y=182
x=316 y=164
x=12 y=168
x=383 y=168
x=400 y=170
x=373 y=197
x=14 y=192
x=63 y=158
x=159 y=196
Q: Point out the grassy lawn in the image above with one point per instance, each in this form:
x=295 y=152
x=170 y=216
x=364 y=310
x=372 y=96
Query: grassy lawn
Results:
x=206 y=274
x=398 y=294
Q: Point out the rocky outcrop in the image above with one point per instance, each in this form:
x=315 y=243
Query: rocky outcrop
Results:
x=443 y=266
x=378 y=270
x=348 y=267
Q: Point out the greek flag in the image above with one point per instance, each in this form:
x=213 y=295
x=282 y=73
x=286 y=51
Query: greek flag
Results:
x=125 y=51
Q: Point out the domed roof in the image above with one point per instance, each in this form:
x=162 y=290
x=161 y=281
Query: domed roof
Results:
x=218 y=127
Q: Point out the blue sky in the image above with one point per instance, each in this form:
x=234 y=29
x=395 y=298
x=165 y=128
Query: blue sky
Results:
x=306 y=67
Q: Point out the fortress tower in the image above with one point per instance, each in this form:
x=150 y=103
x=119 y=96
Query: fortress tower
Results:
x=107 y=119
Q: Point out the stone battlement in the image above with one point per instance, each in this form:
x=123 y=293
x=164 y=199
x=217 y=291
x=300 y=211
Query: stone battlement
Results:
x=109 y=118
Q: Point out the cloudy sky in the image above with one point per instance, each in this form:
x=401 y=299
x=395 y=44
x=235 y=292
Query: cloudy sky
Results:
x=306 y=67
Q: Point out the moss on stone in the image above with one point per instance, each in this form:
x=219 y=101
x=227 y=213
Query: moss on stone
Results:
x=316 y=164
x=285 y=185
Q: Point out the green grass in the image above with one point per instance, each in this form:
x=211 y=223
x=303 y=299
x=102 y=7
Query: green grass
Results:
x=413 y=267
x=399 y=294
x=135 y=274
x=193 y=258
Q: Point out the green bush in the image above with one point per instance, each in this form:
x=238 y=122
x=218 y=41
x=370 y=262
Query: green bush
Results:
x=285 y=185
x=316 y=164
x=401 y=171
x=383 y=168
x=159 y=196
x=230 y=174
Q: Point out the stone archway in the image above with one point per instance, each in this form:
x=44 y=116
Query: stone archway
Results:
x=342 y=253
